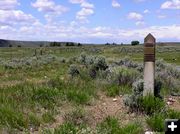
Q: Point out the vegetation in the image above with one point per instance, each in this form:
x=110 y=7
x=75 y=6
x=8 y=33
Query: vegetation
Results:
x=111 y=126
x=134 y=43
x=55 y=44
x=78 y=89
x=156 y=121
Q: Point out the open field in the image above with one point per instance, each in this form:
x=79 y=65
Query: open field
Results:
x=59 y=90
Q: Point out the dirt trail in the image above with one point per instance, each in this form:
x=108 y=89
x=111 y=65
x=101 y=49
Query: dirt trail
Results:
x=105 y=107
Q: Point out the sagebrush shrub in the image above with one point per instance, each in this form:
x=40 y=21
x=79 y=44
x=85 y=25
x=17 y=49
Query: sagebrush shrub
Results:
x=100 y=63
x=147 y=104
x=122 y=76
x=128 y=63
x=73 y=70
x=132 y=101
x=83 y=58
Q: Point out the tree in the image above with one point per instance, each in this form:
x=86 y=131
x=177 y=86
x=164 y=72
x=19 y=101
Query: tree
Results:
x=79 y=44
x=134 y=43
x=70 y=44
x=54 y=44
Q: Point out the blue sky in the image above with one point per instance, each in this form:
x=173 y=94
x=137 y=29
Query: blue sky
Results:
x=90 y=21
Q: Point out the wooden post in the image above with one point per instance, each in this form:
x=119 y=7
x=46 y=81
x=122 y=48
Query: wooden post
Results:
x=149 y=65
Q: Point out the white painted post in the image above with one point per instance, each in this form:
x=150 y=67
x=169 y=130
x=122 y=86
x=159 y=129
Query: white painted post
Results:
x=149 y=65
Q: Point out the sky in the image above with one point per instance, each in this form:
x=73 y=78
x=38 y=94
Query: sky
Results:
x=90 y=21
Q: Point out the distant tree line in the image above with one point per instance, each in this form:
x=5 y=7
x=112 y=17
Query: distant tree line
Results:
x=58 y=44
x=55 y=44
x=114 y=44
x=133 y=43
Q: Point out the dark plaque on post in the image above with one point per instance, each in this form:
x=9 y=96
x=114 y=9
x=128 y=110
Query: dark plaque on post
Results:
x=149 y=48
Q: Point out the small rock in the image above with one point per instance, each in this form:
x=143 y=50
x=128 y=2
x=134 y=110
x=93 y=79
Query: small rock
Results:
x=114 y=100
x=148 y=132
x=45 y=77
x=169 y=103
x=31 y=129
x=171 y=100
x=133 y=115
x=104 y=104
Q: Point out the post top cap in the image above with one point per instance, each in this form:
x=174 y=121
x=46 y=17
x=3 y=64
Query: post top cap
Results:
x=150 y=38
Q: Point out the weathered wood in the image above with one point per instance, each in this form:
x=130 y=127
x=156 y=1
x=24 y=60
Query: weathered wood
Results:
x=149 y=64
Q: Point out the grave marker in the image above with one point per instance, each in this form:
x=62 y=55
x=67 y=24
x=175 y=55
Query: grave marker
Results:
x=149 y=65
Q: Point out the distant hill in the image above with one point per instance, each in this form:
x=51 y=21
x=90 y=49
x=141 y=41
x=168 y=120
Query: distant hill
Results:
x=12 y=43
x=168 y=43
x=15 y=43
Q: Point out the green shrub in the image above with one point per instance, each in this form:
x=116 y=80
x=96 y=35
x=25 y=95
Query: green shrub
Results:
x=11 y=117
x=48 y=117
x=47 y=97
x=132 y=128
x=77 y=117
x=34 y=121
x=156 y=122
x=78 y=96
x=150 y=104
x=109 y=126
x=114 y=90
x=66 y=128
x=172 y=114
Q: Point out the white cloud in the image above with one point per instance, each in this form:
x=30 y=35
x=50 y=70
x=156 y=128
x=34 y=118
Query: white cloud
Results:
x=83 y=13
x=8 y=4
x=172 y=4
x=83 y=3
x=11 y=17
x=76 y=1
x=116 y=4
x=134 y=16
x=71 y=32
x=87 y=5
x=87 y=9
x=146 y=11
x=49 y=6
x=140 y=23
x=162 y=16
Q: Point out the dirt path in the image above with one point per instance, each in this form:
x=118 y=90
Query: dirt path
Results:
x=104 y=107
